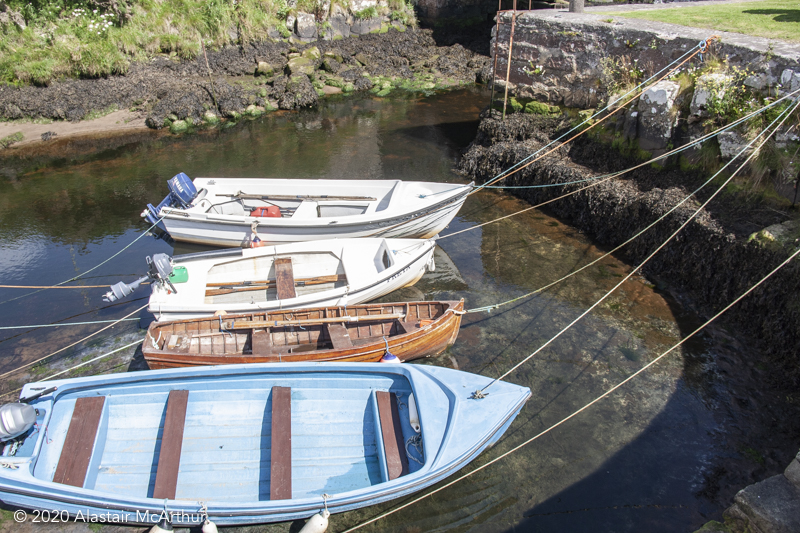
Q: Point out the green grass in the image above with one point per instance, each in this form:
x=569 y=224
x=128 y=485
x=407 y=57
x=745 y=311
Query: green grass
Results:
x=74 y=38
x=773 y=19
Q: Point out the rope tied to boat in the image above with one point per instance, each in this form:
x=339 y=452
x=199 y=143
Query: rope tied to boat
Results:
x=10 y=466
x=480 y=394
x=415 y=441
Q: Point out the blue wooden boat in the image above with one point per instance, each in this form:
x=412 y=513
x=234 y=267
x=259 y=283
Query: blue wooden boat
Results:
x=247 y=444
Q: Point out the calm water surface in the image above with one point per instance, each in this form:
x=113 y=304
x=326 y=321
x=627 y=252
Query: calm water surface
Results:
x=634 y=462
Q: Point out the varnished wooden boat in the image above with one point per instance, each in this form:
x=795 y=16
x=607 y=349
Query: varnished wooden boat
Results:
x=354 y=333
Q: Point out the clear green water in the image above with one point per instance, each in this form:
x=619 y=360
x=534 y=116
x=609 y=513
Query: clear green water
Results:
x=634 y=462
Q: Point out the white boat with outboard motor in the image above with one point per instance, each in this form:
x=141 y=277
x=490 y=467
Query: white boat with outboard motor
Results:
x=234 y=212
x=335 y=272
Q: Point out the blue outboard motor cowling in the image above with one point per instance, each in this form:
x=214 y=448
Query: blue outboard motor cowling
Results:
x=182 y=190
x=181 y=193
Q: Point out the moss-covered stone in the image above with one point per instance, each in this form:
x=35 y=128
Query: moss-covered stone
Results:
x=348 y=87
x=254 y=111
x=8 y=140
x=178 y=126
x=210 y=118
x=514 y=105
x=540 y=108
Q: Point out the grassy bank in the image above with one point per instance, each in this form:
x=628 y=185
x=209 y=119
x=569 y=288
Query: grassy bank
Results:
x=772 y=19
x=100 y=38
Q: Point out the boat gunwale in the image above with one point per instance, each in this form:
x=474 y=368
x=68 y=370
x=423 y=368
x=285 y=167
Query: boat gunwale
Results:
x=396 y=270
x=440 y=323
x=426 y=476
x=265 y=223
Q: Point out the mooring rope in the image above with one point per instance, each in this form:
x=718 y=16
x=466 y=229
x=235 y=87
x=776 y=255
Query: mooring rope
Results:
x=519 y=166
x=579 y=411
x=147 y=231
x=78 y=365
x=785 y=114
x=67 y=324
x=606 y=177
x=631 y=239
x=27 y=365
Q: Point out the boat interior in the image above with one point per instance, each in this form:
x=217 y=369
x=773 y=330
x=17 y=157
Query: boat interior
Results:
x=342 y=201
x=259 y=334
x=235 y=438
x=283 y=277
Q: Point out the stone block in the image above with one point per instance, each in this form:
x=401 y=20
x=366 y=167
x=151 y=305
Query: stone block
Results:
x=306 y=26
x=657 y=115
x=706 y=88
x=790 y=80
x=731 y=143
x=365 y=26
x=770 y=506
x=340 y=25
x=792 y=471
x=301 y=65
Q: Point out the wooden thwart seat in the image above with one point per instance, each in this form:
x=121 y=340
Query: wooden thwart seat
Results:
x=280 y=466
x=79 y=443
x=169 y=458
x=261 y=342
x=284 y=278
x=392 y=433
x=340 y=338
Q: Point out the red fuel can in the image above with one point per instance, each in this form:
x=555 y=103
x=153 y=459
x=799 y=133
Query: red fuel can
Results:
x=269 y=211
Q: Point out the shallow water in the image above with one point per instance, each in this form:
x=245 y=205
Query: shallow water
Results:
x=637 y=461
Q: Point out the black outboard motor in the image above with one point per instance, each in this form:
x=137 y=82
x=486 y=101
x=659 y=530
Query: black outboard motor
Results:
x=160 y=270
x=181 y=194
x=15 y=419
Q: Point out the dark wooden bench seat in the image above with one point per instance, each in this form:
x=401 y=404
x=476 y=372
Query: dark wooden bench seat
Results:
x=339 y=336
x=169 y=457
x=284 y=278
x=79 y=443
x=280 y=466
x=392 y=434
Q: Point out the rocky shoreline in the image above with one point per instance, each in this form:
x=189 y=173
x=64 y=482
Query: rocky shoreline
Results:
x=249 y=80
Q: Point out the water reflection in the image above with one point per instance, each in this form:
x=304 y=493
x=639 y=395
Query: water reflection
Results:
x=64 y=215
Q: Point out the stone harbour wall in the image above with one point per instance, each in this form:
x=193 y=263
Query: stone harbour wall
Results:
x=571 y=59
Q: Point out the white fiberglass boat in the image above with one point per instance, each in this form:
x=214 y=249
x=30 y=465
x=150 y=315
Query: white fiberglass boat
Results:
x=289 y=276
x=229 y=212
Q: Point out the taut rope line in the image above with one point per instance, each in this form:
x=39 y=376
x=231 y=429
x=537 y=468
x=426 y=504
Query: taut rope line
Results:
x=785 y=114
x=582 y=409
x=650 y=226
x=71 y=345
x=619 y=107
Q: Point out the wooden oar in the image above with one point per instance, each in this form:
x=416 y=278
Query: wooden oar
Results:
x=250 y=324
x=245 y=196
x=242 y=286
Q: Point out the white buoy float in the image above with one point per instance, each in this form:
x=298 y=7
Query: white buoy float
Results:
x=163 y=526
x=208 y=525
x=413 y=415
x=389 y=357
x=317 y=523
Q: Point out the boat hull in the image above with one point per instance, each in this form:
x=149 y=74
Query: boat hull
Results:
x=359 y=282
x=418 y=218
x=455 y=429
x=431 y=328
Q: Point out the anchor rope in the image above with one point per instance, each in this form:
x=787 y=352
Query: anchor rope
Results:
x=783 y=116
x=67 y=324
x=631 y=239
x=605 y=177
x=27 y=365
x=519 y=166
x=146 y=232
x=79 y=365
x=582 y=409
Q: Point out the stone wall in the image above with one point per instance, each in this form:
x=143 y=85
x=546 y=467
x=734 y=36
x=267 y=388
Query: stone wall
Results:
x=563 y=58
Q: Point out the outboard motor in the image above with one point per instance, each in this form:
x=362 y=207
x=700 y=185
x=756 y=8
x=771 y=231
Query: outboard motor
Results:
x=15 y=419
x=160 y=269
x=181 y=194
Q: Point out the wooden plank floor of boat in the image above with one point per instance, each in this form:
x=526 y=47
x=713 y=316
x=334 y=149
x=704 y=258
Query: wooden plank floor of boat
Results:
x=169 y=458
x=79 y=443
x=392 y=433
x=280 y=470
